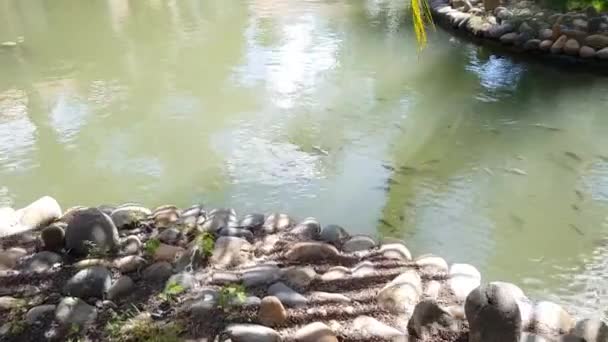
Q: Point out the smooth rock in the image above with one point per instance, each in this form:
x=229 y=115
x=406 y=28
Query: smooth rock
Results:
x=499 y=30
x=493 y=315
x=319 y=296
x=509 y=38
x=131 y=245
x=252 y=222
x=42 y=262
x=90 y=226
x=464 y=278
x=429 y=319
x=586 y=52
x=429 y=263
x=527 y=337
x=34 y=314
x=572 y=47
x=277 y=223
x=271 y=312
x=334 y=235
x=545 y=34
x=165 y=216
x=9 y=222
x=309 y=229
x=87 y=263
x=395 y=251
x=358 y=243
x=219 y=219
x=335 y=273
x=315 y=332
x=230 y=251
x=287 y=295
x=364 y=269
x=90 y=282
x=167 y=253
x=559 y=44
x=9 y=303
x=53 y=237
x=40 y=213
x=532 y=44
x=73 y=310
x=251 y=333
x=432 y=289
x=130 y=263
x=237 y=232
x=597 y=41
x=591 y=330
x=9 y=257
x=402 y=293
x=602 y=54
x=225 y=277
x=159 y=271
x=551 y=319
x=526 y=308
x=371 y=327
x=170 y=236
x=121 y=287
x=545 y=45
x=204 y=305
x=311 y=251
x=300 y=277
x=129 y=216
x=260 y=275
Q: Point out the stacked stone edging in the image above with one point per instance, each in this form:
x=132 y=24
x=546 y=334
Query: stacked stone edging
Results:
x=295 y=282
x=520 y=27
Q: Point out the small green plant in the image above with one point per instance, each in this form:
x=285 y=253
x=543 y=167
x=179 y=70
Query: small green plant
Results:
x=230 y=295
x=151 y=246
x=141 y=328
x=172 y=289
x=94 y=251
x=206 y=243
x=17 y=327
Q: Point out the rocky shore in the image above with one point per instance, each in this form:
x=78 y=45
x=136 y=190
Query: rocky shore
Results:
x=128 y=273
x=580 y=37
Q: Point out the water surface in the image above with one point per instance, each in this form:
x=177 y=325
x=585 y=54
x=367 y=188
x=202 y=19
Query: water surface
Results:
x=316 y=108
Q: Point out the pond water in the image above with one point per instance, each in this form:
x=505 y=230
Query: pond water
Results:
x=315 y=108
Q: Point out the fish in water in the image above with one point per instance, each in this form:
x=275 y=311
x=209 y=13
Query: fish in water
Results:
x=575 y=207
x=576 y=229
x=401 y=218
x=517 y=220
x=549 y=128
x=516 y=171
x=386 y=223
x=432 y=161
x=391 y=181
x=573 y=156
x=407 y=169
x=603 y=158
x=579 y=194
x=383 y=188
x=320 y=150
x=388 y=167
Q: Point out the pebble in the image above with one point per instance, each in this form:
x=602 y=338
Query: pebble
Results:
x=311 y=251
x=252 y=222
x=430 y=263
x=300 y=277
x=315 y=332
x=371 y=327
x=334 y=235
x=335 y=273
x=602 y=54
x=230 y=251
x=131 y=245
x=251 y=333
x=9 y=257
x=130 y=263
x=319 y=296
x=402 y=293
x=34 y=314
x=545 y=45
x=271 y=312
x=395 y=251
x=559 y=44
x=170 y=236
x=159 y=271
x=121 y=287
x=358 y=243
x=597 y=41
x=91 y=282
x=464 y=278
x=287 y=295
x=73 y=310
x=586 y=52
x=53 y=237
x=572 y=47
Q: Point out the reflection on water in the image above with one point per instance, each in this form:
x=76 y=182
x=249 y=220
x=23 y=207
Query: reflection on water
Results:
x=318 y=108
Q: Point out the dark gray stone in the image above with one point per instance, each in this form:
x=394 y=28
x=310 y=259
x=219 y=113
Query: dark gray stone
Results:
x=90 y=226
x=308 y=229
x=159 y=271
x=493 y=315
x=75 y=311
x=121 y=287
x=591 y=330
x=219 y=219
x=128 y=216
x=237 y=232
x=429 y=319
x=334 y=235
x=287 y=295
x=170 y=236
x=90 y=282
x=253 y=222
x=53 y=237
x=42 y=262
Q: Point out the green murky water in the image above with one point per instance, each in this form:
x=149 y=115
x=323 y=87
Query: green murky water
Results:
x=316 y=108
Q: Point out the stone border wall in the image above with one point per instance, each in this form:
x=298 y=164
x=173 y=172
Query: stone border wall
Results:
x=208 y=273
x=576 y=39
